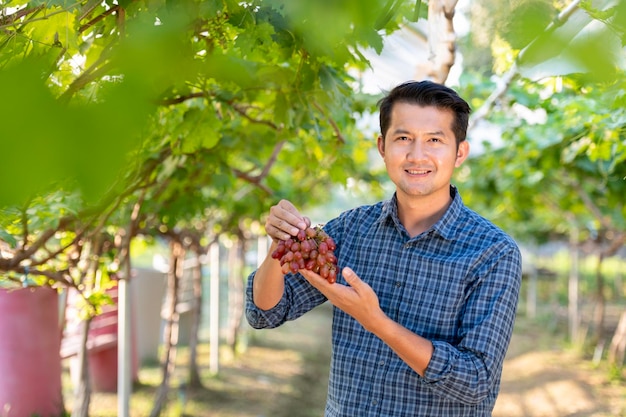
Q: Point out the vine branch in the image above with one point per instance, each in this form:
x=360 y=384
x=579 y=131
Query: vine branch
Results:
x=332 y=122
x=7 y=21
x=513 y=72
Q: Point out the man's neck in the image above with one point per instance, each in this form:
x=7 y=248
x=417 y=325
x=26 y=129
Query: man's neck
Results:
x=417 y=214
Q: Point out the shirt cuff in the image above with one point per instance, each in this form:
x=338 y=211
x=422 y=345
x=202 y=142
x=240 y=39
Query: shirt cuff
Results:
x=259 y=318
x=440 y=364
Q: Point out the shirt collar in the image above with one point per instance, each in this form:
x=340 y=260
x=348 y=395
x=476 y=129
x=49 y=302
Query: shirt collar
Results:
x=445 y=227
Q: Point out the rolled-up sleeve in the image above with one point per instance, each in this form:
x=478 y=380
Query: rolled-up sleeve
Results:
x=468 y=370
x=298 y=298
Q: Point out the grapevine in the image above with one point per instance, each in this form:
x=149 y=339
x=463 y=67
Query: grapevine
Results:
x=311 y=249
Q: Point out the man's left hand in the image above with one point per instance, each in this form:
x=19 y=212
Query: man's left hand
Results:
x=357 y=298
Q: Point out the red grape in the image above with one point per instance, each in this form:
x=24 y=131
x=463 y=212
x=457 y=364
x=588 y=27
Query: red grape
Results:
x=322 y=248
x=324 y=271
x=332 y=276
x=310 y=249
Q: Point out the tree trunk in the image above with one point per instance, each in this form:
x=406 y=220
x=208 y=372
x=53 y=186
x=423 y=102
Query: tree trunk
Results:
x=171 y=326
x=441 y=38
x=196 y=314
x=615 y=243
x=82 y=393
x=618 y=343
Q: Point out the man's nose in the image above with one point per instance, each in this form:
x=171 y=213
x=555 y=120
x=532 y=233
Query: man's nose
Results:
x=416 y=151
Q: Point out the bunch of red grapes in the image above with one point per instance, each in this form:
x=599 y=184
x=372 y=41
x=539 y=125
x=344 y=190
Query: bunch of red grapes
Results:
x=311 y=249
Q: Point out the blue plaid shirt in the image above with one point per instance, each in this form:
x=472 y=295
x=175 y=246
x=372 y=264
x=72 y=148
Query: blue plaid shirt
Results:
x=456 y=284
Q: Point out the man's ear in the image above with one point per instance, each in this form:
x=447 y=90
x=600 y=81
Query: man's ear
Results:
x=462 y=153
x=381 y=145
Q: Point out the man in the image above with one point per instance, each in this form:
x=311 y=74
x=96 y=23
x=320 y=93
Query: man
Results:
x=425 y=304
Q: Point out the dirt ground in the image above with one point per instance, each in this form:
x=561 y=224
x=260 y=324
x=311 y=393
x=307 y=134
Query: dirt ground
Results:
x=284 y=374
x=542 y=379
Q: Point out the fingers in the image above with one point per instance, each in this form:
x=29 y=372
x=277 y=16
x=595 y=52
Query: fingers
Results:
x=319 y=282
x=284 y=221
x=351 y=277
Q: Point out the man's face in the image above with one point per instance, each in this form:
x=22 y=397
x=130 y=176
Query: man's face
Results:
x=420 y=150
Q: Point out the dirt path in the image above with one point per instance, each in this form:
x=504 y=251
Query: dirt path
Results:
x=541 y=380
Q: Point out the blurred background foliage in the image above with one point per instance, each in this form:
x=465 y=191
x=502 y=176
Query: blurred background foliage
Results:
x=184 y=120
x=199 y=115
x=207 y=112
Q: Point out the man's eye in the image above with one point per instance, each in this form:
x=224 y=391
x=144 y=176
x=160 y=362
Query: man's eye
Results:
x=403 y=138
x=435 y=140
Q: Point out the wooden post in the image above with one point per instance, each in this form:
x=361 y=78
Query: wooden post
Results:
x=124 y=375
x=262 y=248
x=214 y=307
x=572 y=297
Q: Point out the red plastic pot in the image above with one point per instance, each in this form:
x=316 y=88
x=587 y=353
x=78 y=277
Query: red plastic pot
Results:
x=102 y=346
x=30 y=365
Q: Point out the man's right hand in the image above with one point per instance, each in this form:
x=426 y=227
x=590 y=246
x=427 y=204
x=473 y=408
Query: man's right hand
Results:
x=285 y=221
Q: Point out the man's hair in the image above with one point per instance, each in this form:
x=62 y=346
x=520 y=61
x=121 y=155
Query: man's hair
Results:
x=426 y=93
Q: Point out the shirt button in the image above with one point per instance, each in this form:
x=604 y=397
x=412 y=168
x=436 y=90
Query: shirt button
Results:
x=374 y=402
x=398 y=284
x=381 y=363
